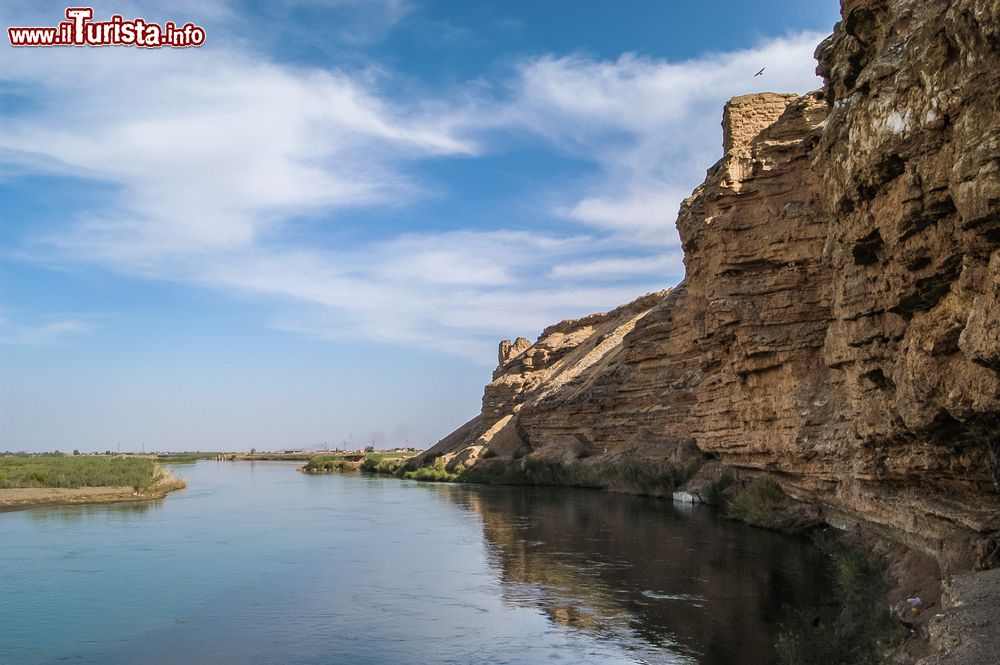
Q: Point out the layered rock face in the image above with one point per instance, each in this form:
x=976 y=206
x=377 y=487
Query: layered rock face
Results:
x=839 y=323
x=910 y=168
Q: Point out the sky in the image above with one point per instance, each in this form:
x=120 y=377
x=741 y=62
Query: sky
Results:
x=313 y=230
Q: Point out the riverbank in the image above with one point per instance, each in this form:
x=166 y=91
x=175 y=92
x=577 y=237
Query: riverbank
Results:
x=898 y=605
x=387 y=463
x=19 y=498
x=968 y=631
x=251 y=557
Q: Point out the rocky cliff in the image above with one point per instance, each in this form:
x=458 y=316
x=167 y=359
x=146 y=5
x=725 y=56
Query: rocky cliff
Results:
x=838 y=327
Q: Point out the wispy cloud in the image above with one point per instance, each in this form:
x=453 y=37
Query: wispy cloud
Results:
x=41 y=334
x=606 y=269
x=213 y=151
x=652 y=126
x=218 y=155
x=358 y=21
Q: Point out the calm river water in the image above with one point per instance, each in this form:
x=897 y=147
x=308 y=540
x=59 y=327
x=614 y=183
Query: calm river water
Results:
x=255 y=563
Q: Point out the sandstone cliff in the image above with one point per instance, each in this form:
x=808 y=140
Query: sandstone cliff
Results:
x=839 y=323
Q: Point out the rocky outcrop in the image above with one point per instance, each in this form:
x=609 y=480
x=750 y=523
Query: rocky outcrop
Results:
x=837 y=327
x=910 y=169
x=967 y=634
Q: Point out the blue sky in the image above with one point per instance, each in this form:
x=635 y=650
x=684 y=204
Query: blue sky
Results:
x=315 y=228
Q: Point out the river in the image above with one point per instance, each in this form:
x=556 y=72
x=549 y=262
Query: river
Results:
x=255 y=563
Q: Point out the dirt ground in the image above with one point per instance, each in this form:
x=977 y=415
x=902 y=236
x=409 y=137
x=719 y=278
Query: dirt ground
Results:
x=968 y=631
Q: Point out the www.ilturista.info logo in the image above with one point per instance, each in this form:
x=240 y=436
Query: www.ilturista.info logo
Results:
x=80 y=30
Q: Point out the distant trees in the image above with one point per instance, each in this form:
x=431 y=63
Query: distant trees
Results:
x=369 y=449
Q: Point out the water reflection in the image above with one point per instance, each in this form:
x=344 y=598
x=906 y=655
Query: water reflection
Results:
x=644 y=572
x=260 y=564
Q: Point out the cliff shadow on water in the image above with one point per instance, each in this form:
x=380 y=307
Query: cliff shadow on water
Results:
x=653 y=576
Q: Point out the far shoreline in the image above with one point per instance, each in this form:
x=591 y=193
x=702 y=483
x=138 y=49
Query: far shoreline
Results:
x=22 y=498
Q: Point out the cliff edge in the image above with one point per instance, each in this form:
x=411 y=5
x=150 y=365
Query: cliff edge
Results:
x=838 y=327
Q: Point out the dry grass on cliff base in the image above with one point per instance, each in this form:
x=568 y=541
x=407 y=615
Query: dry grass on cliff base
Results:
x=644 y=465
x=761 y=502
x=629 y=476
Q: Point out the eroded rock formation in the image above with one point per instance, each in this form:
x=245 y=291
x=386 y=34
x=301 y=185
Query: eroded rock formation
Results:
x=839 y=323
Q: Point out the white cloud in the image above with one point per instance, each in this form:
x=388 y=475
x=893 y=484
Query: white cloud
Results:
x=645 y=212
x=652 y=126
x=216 y=155
x=453 y=291
x=668 y=263
x=212 y=151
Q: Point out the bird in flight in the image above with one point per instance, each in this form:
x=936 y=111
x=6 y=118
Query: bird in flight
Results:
x=759 y=73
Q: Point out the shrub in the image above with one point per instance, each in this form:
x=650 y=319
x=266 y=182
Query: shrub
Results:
x=758 y=502
x=809 y=645
x=714 y=493
x=328 y=463
x=857 y=576
x=649 y=477
x=857 y=633
x=431 y=474
x=655 y=478
x=435 y=473
x=376 y=464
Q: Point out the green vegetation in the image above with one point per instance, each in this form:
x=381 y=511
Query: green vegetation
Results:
x=714 y=493
x=375 y=463
x=326 y=463
x=434 y=473
x=531 y=471
x=551 y=472
x=759 y=502
x=389 y=455
x=77 y=471
x=387 y=462
x=816 y=646
x=858 y=632
x=650 y=477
